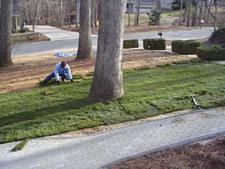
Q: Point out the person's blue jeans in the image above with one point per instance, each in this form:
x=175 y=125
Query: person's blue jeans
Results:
x=52 y=75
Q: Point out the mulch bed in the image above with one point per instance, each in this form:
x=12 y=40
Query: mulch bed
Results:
x=195 y=156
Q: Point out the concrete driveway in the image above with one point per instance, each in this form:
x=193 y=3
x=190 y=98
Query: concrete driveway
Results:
x=62 y=40
x=68 y=151
x=55 y=34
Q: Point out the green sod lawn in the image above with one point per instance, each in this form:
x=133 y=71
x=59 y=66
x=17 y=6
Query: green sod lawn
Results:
x=149 y=91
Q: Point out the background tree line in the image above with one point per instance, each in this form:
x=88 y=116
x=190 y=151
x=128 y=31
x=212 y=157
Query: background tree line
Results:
x=56 y=12
x=199 y=12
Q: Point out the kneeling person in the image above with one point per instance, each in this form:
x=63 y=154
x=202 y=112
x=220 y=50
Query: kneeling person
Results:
x=61 y=72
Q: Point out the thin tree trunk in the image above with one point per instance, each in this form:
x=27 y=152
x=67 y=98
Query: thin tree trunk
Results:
x=49 y=15
x=99 y=10
x=185 y=11
x=61 y=14
x=69 y=14
x=35 y=18
x=92 y=12
x=194 y=15
x=137 y=13
x=129 y=13
x=14 y=24
x=216 y=11
x=201 y=12
x=205 y=13
x=189 y=5
x=209 y=6
x=181 y=11
x=96 y=13
x=78 y=13
x=5 y=32
x=108 y=77
x=213 y=16
x=85 y=41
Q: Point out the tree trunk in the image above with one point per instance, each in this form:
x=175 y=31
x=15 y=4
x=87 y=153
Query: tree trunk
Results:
x=194 y=15
x=189 y=6
x=85 y=41
x=181 y=12
x=108 y=77
x=200 y=13
x=129 y=9
x=205 y=13
x=213 y=15
x=137 y=15
x=14 y=24
x=185 y=11
x=216 y=10
x=209 y=6
x=61 y=14
x=94 y=13
x=5 y=32
x=77 y=13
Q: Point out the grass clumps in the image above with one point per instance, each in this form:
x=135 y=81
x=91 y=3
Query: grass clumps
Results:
x=61 y=108
x=20 y=146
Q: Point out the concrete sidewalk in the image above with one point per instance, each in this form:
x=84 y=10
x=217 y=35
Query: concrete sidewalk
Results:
x=96 y=151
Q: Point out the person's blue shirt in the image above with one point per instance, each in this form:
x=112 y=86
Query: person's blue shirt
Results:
x=61 y=70
x=65 y=72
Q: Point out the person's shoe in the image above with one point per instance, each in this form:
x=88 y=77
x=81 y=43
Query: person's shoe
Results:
x=41 y=83
x=57 y=82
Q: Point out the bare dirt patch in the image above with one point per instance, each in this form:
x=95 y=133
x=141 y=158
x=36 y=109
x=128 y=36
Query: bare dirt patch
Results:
x=27 y=71
x=196 y=156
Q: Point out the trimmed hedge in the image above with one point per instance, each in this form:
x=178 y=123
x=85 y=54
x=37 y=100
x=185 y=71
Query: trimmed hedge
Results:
x=130 y=44
x=185 y=47
x=154 y=44
x=218 y=37
x=211 y=53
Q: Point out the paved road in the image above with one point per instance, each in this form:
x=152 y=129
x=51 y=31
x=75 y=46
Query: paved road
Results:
x=62 y=40
x=174 y=35
x=96 y=151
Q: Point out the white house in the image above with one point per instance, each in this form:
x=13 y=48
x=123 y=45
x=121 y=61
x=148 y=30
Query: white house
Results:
x=166 y=4
x=147 y=5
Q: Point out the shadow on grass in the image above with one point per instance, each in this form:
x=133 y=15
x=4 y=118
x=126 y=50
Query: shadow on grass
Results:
x=38 y=113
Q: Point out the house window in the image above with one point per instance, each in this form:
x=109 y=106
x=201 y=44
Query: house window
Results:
x=130 y=7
